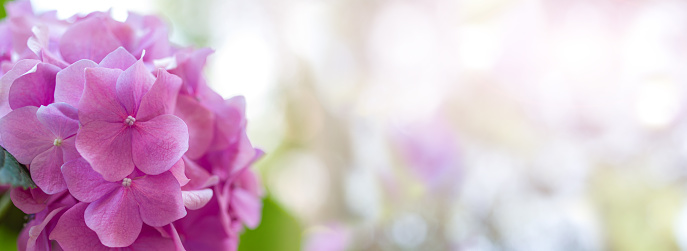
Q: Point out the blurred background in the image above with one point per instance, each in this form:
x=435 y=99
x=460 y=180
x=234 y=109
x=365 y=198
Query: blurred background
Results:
x=450 y=124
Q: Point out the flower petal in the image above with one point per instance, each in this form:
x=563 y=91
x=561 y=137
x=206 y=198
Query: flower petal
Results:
x=107 y=147
x=69 y=149
x=34 y=88
x=19 y=69
x=198 y=176
x=179 y=172
x=61 y=118
x=29 y=201
x=72 y=233
x=46 y=173
x=190 y=68
x=196 y=199
x=200 y=121
x=89 y=38
x=159 y=198
x=151 y=239
x=119 y=59
x=132 y=85
x=69 y=82
x=23 y=135
x=99 y=100
x=230 y=120
x=247 y=207
x=84 y=183
x=38 y=235
x=115 y=218
x=159 y=143
x=162 y=97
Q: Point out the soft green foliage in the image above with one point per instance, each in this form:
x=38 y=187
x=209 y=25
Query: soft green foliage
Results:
x=11 y=222
x=277 y=231
x=12 y=173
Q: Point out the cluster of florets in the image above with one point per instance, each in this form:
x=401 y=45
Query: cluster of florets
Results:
x=126 y=143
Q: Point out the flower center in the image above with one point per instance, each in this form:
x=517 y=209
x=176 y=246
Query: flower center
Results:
x=130 y=120
x=126 y=182
x=57 y=142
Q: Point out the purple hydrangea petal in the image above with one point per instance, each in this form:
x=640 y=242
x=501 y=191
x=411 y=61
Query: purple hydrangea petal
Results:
x=35 y=88
x=107 y=147
x=115 y=218
x=61 y=119
x=132 y=84
x=159 y=198
x=159 y=143
x=89 y=38
x=99 y=101
x=23 y=135
x=69 y=82
x=29 y=201
x=247 y=207
x=6 y=81
x=118 y=59
x=46 y=173
x=84 y=183
x=72 y=233
x=161 y=98
x=196 y=199
x=200 y=121
x=179 y=172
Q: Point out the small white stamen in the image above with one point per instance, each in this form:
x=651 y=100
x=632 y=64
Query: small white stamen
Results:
x=130 y=120
x=57 y=142
x=126 y=182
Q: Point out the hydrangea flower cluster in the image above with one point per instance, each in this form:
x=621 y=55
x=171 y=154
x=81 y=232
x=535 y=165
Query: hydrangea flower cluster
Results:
x=126 y=143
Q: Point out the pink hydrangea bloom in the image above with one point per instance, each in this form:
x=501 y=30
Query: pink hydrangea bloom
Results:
x=72 y=233
x=126 y=120
x=128 y=153
x=119 y=209
x=44 y=138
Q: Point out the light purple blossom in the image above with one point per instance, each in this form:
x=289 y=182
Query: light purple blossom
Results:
x=126 y=120
x=127 y=153
x=119 y=209
x=44 y=138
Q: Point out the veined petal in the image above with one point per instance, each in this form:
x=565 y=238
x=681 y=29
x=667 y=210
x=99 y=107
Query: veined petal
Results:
x=89 y=38
x=198 y=176
x=34 y=88
x=99 y=100
x=69 y=82
x=23 y=135
x=247 y=206
x=107 y=147
x=61 y=118
x=151 y=239
x=38 y=231
x=159 y=143
x=115 y=218
x=162 y=97
x=159 y=198
x=30 y=201
x=179 y=172
x=119 y=59
x=84 y=183
x=132 y=85
x=200 y=121
x=46 y=173
x=230 y=119
x=19 y=69
x=69 y=149
x=72 y=233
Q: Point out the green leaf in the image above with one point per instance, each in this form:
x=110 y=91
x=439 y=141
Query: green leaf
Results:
x=12 y=173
